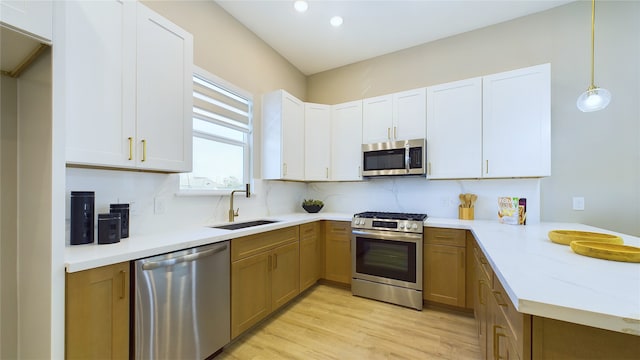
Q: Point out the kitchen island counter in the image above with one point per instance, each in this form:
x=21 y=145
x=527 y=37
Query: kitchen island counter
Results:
x=546 y=279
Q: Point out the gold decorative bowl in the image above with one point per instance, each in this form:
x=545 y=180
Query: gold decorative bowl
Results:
x=565 y=237
x=606 y=251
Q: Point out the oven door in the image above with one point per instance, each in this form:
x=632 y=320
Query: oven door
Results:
x=387 y=257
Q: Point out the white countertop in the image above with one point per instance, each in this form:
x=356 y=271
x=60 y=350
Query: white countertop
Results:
x=541 y=278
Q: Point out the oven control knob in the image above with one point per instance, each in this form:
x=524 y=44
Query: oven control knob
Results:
x=414 y=226
x=401 y=226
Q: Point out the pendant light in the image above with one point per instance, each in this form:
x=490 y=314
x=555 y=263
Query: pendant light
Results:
x=595 y=98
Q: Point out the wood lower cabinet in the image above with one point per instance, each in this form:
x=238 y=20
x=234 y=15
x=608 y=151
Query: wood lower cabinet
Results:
x=265 y=270
x=309 y=254
x=285 y=274
x=338 y=251
x=97 y=313
x=444 y=269
x=503 y=332
x=555 y=339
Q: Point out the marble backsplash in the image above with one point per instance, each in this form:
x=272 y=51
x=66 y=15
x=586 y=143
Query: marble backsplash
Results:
x=156 y=206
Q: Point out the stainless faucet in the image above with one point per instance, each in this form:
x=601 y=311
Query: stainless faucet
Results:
x=233 y=214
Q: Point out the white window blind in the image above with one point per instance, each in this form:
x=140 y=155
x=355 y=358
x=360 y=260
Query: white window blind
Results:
x=222 y=129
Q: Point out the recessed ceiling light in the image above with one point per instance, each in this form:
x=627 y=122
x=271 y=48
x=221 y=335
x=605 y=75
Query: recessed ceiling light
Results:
x=336 y=21
x=301 y=6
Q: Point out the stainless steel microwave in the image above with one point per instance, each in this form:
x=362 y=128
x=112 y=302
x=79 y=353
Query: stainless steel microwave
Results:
x=405 y=157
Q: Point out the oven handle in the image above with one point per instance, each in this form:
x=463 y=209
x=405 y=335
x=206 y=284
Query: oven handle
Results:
x=388 y=235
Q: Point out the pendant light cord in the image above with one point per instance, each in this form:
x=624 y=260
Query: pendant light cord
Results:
x=593 y=42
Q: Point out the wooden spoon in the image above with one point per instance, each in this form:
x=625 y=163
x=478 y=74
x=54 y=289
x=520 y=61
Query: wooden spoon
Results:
x=474 y=197
x=462 y=201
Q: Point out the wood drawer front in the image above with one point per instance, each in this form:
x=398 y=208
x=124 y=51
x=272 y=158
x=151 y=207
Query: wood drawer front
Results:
x=254 y=244
x=484 y=263
x=441 y=236
x=518 y=324
x=309 y=230
x=338 y=229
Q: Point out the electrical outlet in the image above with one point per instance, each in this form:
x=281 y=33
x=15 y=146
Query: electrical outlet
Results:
x=159 y=205
x=578 y=203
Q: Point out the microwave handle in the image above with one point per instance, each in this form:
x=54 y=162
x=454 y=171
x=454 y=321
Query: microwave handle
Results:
x=407 y=157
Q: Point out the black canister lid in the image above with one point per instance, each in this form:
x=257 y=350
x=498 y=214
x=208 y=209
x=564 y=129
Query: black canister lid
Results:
x=119 y=206
x=109 y=216
x=83 y=193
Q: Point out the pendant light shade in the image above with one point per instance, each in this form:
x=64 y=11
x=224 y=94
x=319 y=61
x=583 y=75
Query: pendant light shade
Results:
x=594 y=98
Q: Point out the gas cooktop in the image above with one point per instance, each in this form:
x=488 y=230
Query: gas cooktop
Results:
x=390 y=216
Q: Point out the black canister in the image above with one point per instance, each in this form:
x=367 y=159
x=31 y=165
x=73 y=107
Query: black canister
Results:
x=82 y=206
x=108 y=228
x=123 y=210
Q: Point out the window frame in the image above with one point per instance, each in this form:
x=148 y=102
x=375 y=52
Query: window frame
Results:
x=247 y=144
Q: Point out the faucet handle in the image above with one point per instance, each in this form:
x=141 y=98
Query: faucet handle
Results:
x=237 y=212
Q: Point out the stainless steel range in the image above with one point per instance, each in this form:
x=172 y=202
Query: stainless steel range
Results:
x=387 y=257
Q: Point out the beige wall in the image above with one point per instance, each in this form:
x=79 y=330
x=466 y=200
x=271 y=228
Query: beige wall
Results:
x=8 y=220
x=229 y=50
x=594 y=155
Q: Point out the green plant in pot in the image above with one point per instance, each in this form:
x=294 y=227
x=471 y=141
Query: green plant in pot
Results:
x=311 y=205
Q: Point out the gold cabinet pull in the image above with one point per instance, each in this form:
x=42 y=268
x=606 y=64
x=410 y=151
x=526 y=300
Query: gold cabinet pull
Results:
x=429 y=168
x=144 y=150
x=284 y=169
x=275 y=261
x=486 y=166
x=123 y=274
x=389 y=133
x=480 y=284
x=395 y=132
x=327 y=173
x=130 y=148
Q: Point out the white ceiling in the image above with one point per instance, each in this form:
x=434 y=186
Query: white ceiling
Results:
x=371 y=27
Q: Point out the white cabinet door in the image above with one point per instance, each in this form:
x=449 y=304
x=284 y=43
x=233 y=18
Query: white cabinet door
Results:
x=454 y=130
x=516 y=123
x=282 y=136
x=33 y=18
x=398 y=116
x=409 y=115
x=99 y=69
x=346 y=140
x=377 y=119
x=164 y=93
x=317 y=142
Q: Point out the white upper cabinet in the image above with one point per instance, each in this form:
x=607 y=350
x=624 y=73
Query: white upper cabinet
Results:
x=282 y=136
x=409 y=114
x=398 y=116
x=516 y=123
x=99 y=81
x=454 y=130
x=346 y=140
x=377 y=119
x=32 y=18
x=317 y=142
x=127 y=86
x=164 y=93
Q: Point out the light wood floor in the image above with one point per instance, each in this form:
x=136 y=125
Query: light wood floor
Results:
x=329 y=323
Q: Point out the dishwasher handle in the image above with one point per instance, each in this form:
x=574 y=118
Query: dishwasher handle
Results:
x=152 y=265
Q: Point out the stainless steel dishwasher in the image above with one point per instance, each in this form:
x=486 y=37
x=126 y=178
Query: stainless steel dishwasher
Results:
x=182 y=303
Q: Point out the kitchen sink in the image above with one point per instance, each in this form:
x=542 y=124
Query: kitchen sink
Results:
x=242 y=225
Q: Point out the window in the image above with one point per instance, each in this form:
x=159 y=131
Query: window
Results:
x=222 y=129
